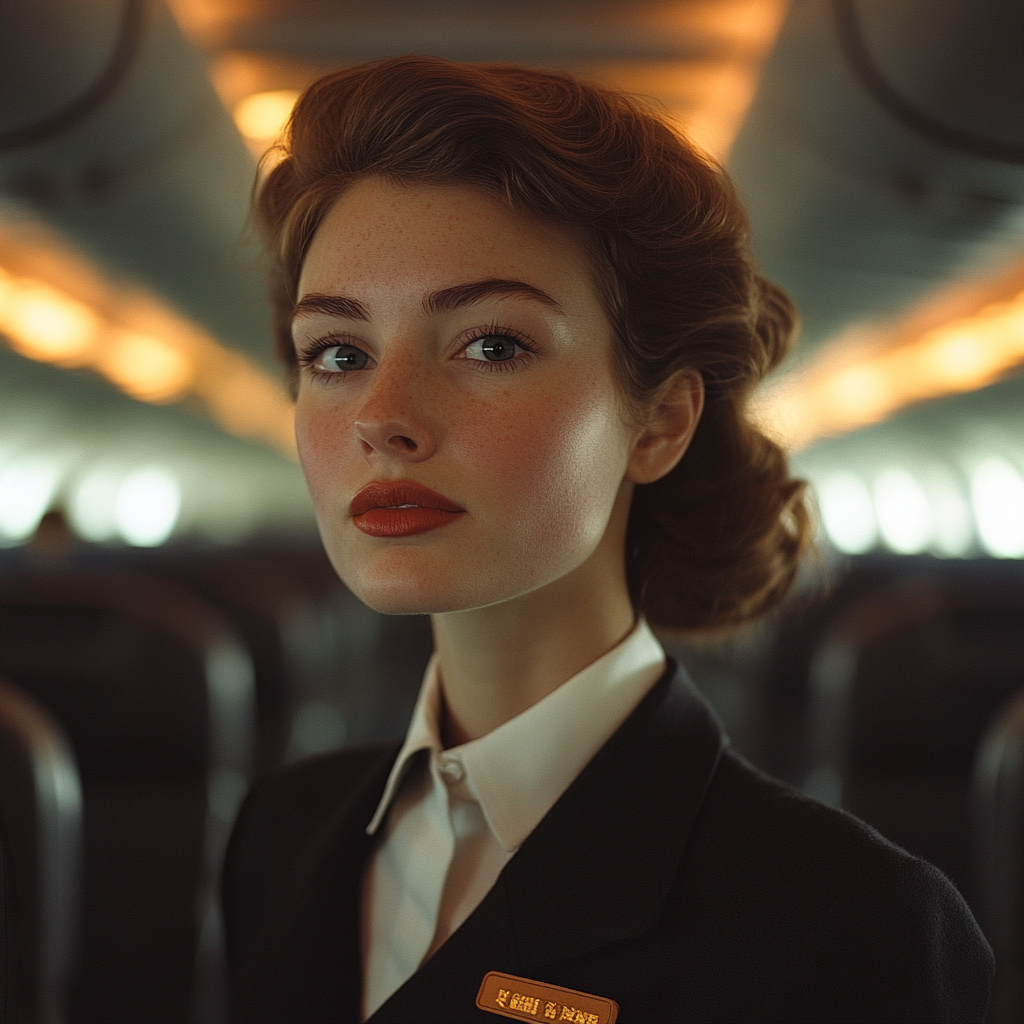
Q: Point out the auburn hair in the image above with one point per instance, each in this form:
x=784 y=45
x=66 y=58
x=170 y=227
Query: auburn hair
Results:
x=717 y=541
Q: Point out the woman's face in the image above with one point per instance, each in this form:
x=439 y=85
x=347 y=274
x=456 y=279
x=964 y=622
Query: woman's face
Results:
x=447 y=342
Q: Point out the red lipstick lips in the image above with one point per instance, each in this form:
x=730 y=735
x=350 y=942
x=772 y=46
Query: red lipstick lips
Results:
x=401 y=508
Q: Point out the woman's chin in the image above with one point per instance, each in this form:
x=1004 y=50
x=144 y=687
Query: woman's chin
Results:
x=426 y=589
x=403 y=585
x=413 y=580
x=392 y=597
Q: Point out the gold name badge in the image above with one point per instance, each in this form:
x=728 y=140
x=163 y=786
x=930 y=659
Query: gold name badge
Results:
x=522 y=999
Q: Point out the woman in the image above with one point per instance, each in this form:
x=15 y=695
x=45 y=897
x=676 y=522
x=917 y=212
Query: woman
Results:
x=522 y=325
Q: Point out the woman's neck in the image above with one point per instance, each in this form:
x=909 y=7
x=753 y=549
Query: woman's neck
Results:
x=496 y=662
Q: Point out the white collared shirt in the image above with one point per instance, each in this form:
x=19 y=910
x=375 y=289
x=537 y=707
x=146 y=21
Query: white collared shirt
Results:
x=454 y=818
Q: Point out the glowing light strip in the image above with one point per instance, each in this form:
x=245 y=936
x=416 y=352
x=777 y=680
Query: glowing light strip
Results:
x=146 y=350
x=708 y=97
x=262 y=116
x=865 y=375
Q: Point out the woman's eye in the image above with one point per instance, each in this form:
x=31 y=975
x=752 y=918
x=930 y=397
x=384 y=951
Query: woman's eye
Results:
x=341 y=358
x=495 y=348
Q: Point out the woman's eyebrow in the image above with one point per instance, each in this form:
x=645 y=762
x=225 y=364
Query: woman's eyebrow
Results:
x=444 y=301
x=449 y=299
x=330 y=305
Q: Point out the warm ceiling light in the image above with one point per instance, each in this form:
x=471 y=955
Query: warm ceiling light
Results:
x=44 y=324
x=707 y=91
x=864 y=376
x=744 y=26
x=55 y=308
x=709 y=97
x=262 y=116
x=147 y=368
x=728 y=92
x=245 y=401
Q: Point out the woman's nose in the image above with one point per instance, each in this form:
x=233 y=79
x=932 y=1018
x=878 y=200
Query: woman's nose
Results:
x=392 y=421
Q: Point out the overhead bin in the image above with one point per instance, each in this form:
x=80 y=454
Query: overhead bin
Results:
x=884 y=153
x=111 y=131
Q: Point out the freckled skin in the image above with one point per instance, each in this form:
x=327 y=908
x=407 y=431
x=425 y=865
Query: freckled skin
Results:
x=536 y=457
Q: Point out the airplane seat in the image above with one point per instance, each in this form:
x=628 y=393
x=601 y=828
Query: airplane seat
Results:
x=329 y=671
x=903 y=687
x=997 y=868
x=367 y=667
x=156 y=693
x=780 y=696
x=268 y=606
x=351 y=674
x=7 y=962
x=40 y=837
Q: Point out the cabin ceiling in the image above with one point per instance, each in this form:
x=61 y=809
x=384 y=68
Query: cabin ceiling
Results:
x=858 y=209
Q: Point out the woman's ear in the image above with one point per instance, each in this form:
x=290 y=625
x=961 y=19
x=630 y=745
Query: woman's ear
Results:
x=663 y=438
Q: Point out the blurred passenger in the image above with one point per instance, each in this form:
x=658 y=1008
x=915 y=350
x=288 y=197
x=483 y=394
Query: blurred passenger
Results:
x=522 y=326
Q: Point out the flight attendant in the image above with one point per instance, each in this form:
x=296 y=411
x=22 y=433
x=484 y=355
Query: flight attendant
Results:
x=522 y=326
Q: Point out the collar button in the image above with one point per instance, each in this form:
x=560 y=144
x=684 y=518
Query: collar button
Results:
x=452 y=770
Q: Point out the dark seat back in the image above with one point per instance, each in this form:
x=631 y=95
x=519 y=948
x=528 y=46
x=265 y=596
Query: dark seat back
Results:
x=330 y=672
x=903 y=688
x=156 y=694
x=40 y=836
x=997 y=876
x=286 y=626
x=780 y=690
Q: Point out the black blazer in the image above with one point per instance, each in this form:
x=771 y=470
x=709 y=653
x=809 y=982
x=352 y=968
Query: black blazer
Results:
x=671 y=876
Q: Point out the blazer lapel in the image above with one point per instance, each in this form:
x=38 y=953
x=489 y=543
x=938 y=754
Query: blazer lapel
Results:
x=314 y=973
x=595 y=871
x=600 y=866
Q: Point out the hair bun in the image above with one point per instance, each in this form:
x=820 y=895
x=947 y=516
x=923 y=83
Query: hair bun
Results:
x=776 y=325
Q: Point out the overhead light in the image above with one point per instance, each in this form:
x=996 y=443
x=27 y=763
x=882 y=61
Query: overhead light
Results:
x=867 y=374
x=246 y=401
x=912 y=513
x=139 y=344
x=903 y=512
x=44 y=323
x=262 y=116
x=150 y=369
x=91 y=504
x=847 y=513
x=707 y=92
x=997 y=493
x=952 y=528
x=147 y=506
x=27 y=487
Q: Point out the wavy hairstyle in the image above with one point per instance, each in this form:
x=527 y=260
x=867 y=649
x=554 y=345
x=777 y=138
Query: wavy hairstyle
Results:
x=717 y=541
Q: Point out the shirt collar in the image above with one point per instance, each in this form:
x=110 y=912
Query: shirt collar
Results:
x=423 y=734
x=519 y=770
